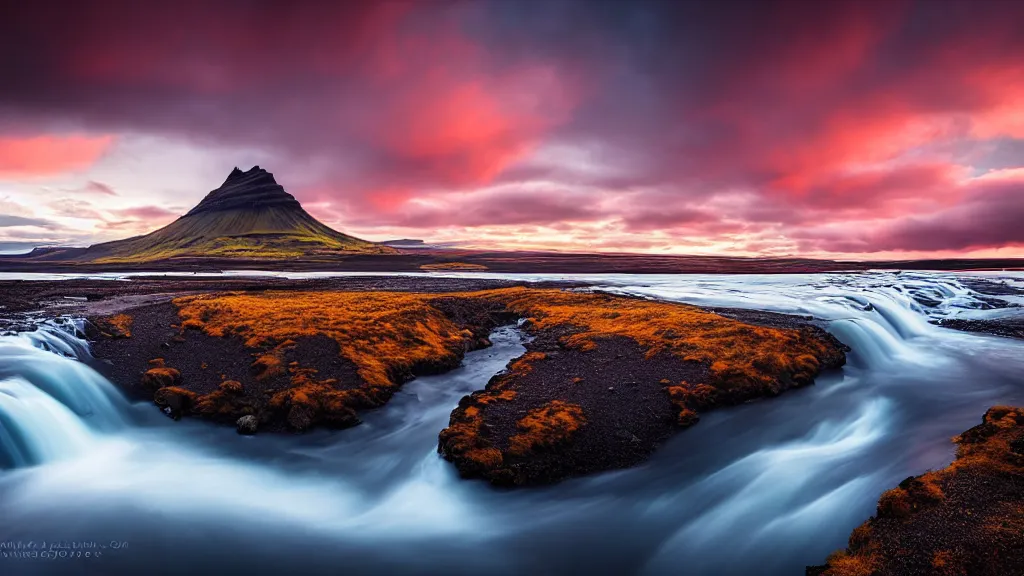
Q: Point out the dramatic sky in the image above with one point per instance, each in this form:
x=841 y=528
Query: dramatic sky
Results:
x=865 y=130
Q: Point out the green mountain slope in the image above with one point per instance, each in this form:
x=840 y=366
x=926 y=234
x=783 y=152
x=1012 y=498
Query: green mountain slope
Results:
x=249 y=216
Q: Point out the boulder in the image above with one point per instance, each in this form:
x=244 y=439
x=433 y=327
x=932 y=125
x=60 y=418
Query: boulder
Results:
x=247 y=425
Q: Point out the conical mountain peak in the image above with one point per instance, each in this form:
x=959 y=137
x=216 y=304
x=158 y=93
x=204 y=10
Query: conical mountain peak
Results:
x=249 y=216
x=234 y=174
x=250 y=190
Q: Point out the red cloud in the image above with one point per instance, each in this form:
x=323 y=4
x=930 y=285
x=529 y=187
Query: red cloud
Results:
x=48 y=155
x=842 y=126
x=990 y=216
x=402 y=92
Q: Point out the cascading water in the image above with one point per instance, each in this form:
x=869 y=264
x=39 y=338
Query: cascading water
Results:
x=764 y=488
x=52 y=405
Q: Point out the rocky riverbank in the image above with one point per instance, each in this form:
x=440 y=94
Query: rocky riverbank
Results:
x=604 y=381
x=967 y=518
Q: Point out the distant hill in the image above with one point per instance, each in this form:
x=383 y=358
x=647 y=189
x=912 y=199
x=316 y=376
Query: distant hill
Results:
x=405 y=243
x=250 y=216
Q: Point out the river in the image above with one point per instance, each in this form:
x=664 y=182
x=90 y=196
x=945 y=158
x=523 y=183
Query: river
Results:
x=765 y=488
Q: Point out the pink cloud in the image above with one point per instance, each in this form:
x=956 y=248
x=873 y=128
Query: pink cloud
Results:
x=148 y=213
x=26 y=157
x=819 y=127
x=93 y=187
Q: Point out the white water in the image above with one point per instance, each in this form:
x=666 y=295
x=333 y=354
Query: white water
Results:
x=765 y=488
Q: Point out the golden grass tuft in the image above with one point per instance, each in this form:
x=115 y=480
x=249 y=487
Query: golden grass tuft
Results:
x=464 y=435
x=843 y=564
x=268 y=366
x=894 y=503
x=388 y=336
x=744 y=360
x=160 y=377
x=550 y=425
x=119 y=325
x=383 y=333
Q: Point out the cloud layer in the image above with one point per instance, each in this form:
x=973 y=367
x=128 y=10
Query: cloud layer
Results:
x=860 y=129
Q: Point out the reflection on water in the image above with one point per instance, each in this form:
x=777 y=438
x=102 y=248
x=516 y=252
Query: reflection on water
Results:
x=760 y=489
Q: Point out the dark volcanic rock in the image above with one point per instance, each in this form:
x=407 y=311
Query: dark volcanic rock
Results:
x=247 y=425
x=252 y=189
x=569 y=407
x=1006 y=327
x=562 y=411
x=993 y=287
x=622 y=429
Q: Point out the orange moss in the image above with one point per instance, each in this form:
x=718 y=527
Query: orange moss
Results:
x=504 y=395
x=843 y=564
x=119 y=325
x=193 y=324
x=752 y=360
x=175 y=400
x=268 y=366
x=159 y=377
x=232 y=386
x=464 y=438
x=309 y=402
x=552 y=424
x=987 y=446
x=222 y=404
x=522 y=365
x=389 y=335
x=383 y=333
x=157 y=362
x=486 y=457
x=894 y=503
x=1008 y=521
x=687 y=396
x=927 y=488
x=381 y=330
x=687 y=418
x=860 y=538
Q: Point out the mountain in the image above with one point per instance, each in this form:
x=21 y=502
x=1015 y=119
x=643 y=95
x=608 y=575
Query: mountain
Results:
x=249 y=216
x=404 y=242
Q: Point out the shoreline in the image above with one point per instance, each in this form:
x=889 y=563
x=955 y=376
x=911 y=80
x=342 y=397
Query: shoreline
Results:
x=965 y=518
x=23 y=301
x=521 y=261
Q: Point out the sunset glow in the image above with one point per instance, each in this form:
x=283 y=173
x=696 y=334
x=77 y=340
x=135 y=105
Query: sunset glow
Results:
x=866 y=131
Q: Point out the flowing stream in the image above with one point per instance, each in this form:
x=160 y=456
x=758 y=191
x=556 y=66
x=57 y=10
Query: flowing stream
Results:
x=764 y=488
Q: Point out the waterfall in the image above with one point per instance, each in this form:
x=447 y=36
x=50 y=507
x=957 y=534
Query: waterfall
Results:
x=52 y=406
